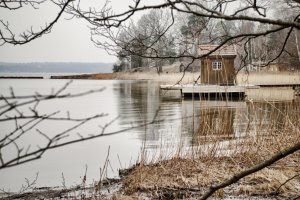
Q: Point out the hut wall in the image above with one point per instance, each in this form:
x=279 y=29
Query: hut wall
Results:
x=218 y=77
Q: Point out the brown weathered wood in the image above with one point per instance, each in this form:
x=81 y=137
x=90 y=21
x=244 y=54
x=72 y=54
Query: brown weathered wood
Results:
x=170 y=87
x=224 y=76
x=212 y=89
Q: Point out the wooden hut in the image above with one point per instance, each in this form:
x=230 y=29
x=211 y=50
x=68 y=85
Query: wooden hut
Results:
x=218 y=67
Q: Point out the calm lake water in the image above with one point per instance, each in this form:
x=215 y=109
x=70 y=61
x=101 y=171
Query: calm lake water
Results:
x=128 y=104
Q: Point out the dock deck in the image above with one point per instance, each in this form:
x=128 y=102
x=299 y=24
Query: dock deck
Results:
x=214 y=91
x=171 y=87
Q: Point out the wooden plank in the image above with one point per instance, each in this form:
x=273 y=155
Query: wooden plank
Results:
x=170 y=87
x=251 y=86
x=210 y=89
x=179 y=87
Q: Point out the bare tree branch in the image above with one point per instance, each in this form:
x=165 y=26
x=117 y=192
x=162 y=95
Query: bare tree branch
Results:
x=27 y=122
x=29 y=35
x=276 y=157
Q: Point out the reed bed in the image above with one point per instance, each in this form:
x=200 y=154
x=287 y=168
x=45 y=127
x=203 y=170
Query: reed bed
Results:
x=164 y=78
x=219 y=152
x=268 y=78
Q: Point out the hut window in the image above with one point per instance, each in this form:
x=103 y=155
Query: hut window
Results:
x=217 y=65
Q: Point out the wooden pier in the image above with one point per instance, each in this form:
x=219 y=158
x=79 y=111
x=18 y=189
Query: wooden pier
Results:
x=209 y=91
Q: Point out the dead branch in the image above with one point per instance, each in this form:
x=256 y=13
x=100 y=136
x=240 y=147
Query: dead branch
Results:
x=25 y=122
x=29 y=153
x=276 y=157
x=28 y=35
x=285 y=182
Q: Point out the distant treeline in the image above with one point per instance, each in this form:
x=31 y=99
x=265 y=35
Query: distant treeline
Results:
x=56 y=67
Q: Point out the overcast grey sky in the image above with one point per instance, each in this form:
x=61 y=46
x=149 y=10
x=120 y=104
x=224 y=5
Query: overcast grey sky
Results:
x=69 y=40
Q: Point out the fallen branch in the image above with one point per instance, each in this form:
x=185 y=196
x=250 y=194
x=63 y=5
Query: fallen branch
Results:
x=277 y=191
x=278 y=156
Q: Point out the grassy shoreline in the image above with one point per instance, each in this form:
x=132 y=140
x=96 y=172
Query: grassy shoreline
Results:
x=242 y=78
x=171 y=78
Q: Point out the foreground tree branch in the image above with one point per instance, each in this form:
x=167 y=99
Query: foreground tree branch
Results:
x=28 y=118
x=17 y=4
x=8 y=36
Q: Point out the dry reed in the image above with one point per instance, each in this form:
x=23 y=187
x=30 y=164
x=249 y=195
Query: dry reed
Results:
x=164 y=78
x=268 y=78
x=219 y=153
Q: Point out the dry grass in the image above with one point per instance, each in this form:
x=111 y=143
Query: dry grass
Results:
x=268 y=78
x=166 y=78
x=270 y=128
x=171 y=76
x=102 y=76
x=269 y=181
x=270 y=94
x=194 y=176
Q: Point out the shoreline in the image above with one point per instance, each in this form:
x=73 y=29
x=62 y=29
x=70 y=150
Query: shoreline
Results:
x=97 y=76
x=164 y=78
x=181 y=178
x=252 y=78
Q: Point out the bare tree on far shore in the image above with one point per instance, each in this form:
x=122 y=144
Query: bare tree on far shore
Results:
x=222 y=25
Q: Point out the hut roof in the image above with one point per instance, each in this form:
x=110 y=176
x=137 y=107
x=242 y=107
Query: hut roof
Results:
x=225 y=50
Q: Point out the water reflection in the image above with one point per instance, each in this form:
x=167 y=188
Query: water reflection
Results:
x=140 y=103
x=211 y=119
x=192 y=121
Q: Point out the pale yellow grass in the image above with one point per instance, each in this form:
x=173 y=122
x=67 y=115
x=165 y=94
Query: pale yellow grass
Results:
x=270 y=94
x=269 y=181
x=268 y=78
x=167 y=78
x=242 y=78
